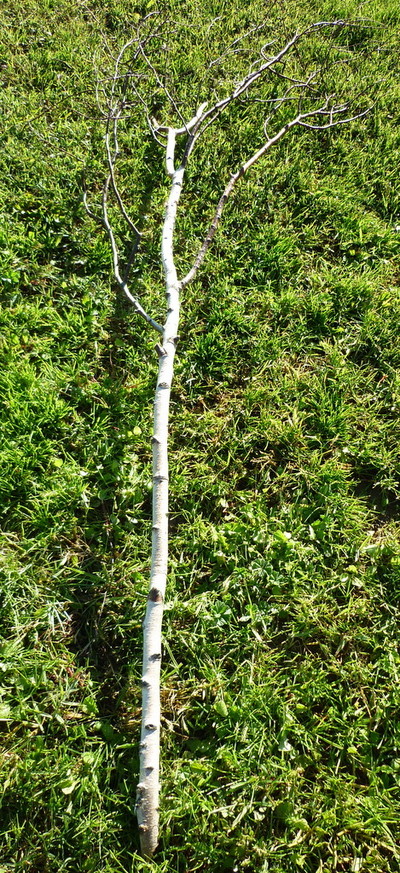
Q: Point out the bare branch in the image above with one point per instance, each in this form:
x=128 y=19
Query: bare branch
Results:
x=214 y=111
x=225 y=195
x=231 y=49
x=116 y=107
x=111 y=160
x=114 y=114
x=136 y=74
x=280 y=101
x=122 y=282
x=335 y=115
x=270 y=64
x=335 y=121
x=161 y=84
x=189 y=125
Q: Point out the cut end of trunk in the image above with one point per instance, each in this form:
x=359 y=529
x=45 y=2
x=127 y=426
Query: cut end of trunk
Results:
x=147 y=816
x=148 y=840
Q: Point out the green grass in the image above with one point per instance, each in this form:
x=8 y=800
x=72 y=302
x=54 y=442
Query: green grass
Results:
x=280 y=690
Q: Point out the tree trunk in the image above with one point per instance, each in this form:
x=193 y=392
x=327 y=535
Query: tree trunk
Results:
x=148 y=787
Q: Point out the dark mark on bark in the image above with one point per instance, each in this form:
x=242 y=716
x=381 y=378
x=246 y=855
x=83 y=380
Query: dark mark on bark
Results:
x=155 y=595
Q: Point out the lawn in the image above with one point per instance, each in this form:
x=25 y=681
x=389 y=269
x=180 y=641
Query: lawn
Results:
x=280 y=674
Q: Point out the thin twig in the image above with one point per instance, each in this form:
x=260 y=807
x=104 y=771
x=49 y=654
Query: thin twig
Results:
x=299 y=120
x=121 y=282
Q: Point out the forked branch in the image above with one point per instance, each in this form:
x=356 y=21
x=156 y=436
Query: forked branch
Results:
x=314 y=109
x=334 y=115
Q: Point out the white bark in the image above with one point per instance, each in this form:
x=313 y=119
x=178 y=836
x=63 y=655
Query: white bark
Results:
x=319 y=116
x=148 y=787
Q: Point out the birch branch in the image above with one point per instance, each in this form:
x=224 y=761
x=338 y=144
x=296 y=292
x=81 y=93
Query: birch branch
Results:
x=324 y=116
x=147 y=800
x=113 y=116
x=249 y=80
x=335 y=118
